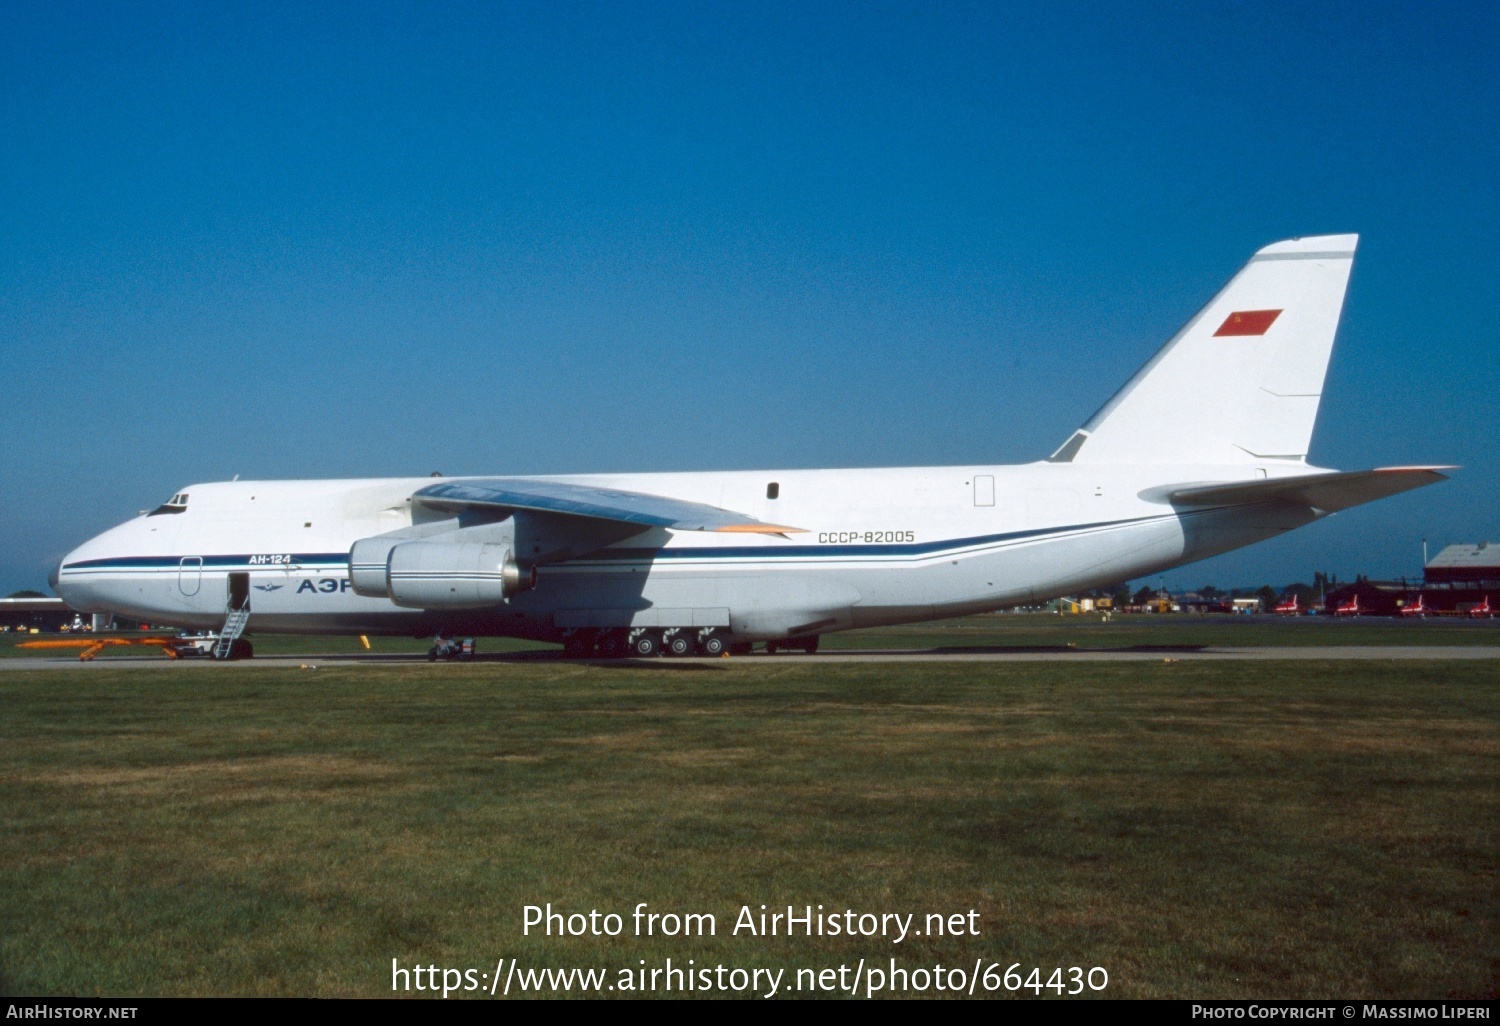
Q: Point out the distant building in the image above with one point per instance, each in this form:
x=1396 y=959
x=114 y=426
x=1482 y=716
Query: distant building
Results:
x=1456 y=580
x=1461 y=577
x=37 y=612
x=1465 y=566
x=1369 y=598
x=47 y=614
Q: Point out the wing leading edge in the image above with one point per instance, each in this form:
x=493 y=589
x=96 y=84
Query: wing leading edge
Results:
x=501 y=494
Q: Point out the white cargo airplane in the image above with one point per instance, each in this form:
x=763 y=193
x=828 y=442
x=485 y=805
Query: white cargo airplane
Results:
x=1201 y=452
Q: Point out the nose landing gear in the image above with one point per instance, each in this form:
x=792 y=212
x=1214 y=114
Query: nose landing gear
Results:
x=239 y=648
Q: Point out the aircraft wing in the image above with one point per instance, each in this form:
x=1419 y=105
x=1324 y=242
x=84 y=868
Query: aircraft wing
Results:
x=502 y=494
x=1329 y=492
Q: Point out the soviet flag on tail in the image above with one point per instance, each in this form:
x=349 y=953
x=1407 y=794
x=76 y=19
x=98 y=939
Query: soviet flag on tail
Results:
x=1248 y=322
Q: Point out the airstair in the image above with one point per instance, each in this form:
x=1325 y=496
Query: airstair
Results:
x=233 y=627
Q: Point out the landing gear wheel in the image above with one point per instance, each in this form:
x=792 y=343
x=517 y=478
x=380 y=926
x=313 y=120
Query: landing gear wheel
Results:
x=810 y=645
x=612 y=645
x=772 y=648
x=579 y=646
x=645 y=645
x=741 y=648
x=712 y=645
x=680 y=644
x=239 y=648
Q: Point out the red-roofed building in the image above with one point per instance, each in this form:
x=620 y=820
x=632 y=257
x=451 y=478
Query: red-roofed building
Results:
x=1461 y=577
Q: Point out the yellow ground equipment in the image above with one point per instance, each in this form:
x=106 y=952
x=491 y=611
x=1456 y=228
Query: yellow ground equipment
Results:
x=93 y=646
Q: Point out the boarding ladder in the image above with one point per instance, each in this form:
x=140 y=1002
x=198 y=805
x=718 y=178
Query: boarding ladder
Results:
x=234 y=626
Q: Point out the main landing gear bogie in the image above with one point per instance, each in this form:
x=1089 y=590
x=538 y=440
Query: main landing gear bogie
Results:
x=807 y=645
x=613 y=644
x=645 y=643
x=579 y=645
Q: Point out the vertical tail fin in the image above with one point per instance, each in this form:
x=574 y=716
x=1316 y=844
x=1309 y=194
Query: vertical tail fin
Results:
x=1240 y=383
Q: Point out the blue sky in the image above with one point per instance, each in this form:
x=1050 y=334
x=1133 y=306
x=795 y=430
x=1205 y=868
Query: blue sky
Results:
x=320 y=240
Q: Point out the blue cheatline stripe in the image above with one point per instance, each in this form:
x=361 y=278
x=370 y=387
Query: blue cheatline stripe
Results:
x=210 y=562
x=340 y=560
x=618 y=555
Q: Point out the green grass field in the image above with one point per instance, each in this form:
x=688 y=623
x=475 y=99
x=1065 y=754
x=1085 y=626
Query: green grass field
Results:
x=1207 y=830
x=1025 y=630
x=1041 y=630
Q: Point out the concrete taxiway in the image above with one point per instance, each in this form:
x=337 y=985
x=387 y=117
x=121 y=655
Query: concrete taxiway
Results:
x=1305 y=653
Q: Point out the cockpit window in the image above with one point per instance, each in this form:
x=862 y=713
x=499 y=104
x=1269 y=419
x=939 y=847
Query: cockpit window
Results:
x=176 y=504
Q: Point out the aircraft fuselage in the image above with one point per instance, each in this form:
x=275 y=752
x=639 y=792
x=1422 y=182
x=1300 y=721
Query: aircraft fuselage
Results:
x=878 y=547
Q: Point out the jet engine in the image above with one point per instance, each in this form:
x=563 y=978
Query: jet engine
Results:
x=454 y=575
x=441 y=565
x=370 y=557
x=367 y=565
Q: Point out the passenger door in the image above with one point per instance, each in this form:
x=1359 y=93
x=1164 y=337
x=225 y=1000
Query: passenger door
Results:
x=190 y=574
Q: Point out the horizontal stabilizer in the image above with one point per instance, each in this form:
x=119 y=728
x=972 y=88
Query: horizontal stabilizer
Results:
x=499 y=494
x=1328 y=492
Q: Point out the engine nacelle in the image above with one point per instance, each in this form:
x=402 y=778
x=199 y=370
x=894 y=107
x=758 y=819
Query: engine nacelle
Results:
x=368 y=560
x=454 y=575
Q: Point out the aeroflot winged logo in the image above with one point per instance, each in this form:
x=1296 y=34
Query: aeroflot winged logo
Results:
x=1248 y=322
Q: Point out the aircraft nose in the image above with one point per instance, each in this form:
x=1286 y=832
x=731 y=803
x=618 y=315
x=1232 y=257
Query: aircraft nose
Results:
x=76 y=579
x=79 y=595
